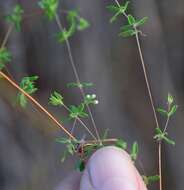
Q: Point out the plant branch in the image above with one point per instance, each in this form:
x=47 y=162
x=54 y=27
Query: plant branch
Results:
x=146 y=79
x=150 y=96
x=77 y=76
x=160 y=163
x=5 y=40
x=81 y=122
x=34 y=101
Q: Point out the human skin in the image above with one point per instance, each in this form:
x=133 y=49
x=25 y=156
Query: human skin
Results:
x=109 y=168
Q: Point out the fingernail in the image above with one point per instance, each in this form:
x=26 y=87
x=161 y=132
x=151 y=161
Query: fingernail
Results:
x=118 y=184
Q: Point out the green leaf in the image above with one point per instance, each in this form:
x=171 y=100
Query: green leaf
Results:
x=75 y=22
x=173 y=110
x=150 y=179
x=80 y=85
x=126 y=28
x=134 y=151
x=5 y=57
x=16 y=17
x=169 y=141
x=128 y=33
x=113 y=8
x=118 y=10
x=28 y=85
x=56 y=99
x=49 y=7
x=63 y=140
x=120 y=143
x=141 y=21
x=160 y=135
x=162 y=111
x=170 y=99
x=131 y=20
x=70 y=148
x=80 y=165
x=83 y=24
x=67 y=33
x=63 y=36
x=77 y=111
x=22 y=100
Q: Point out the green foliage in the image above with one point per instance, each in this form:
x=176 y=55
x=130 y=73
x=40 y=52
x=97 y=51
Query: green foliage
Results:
x=170 y=99
x=162 y=135
x=80 y=85
x=120 y=143
x=131 y=28
x=82 y=24
x=56 y=99
x=150 y=179
x=28 y=85
x=49 y=7
x=134 y=151
x=77 y=111
x=80 y=165
x=5 y=57
x=70 y=147
x=172 y=111
x=131 y=20
x=172 y=108
x=162 y=111
x=75 y=23
x=117 y=10
x=16 y=17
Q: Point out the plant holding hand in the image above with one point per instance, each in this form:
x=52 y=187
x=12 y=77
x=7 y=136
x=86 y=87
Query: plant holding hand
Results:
x=106 y=163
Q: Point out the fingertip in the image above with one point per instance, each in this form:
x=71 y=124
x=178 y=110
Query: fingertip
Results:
x=109 y=163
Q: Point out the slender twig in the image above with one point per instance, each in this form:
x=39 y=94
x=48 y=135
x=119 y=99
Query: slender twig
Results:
x=77 y=76
x=168 y=119
x=34 y=101
x=150 y=96
x=73 y=126
x=160 y=163
x=5 y=40
x=81 y=122
x=147 y=80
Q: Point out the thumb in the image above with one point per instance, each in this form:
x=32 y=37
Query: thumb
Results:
x=111 y=168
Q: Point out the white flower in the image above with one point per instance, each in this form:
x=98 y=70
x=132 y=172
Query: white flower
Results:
x=93 y=96
x=96 y=102
x=88 y=96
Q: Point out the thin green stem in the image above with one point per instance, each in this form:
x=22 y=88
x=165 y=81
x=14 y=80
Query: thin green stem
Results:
x=146 y=79
x=160 y=163
x=168 y=119
x=81 y=122
x=77 y=76
x=5 y=40
x=150 y=96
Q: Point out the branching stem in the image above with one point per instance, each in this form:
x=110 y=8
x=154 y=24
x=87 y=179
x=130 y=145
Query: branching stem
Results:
x=34 y=101
x=150 y=96
x=77 y=76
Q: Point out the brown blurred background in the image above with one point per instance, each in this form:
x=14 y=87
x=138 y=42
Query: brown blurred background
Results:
x=29 y=157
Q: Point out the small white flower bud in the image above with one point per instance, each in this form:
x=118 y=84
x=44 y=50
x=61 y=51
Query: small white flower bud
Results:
x=88 y=96
x=96 y=102
x=93 y=96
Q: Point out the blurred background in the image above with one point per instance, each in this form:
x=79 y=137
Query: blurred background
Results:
x=29 y=155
